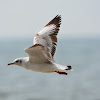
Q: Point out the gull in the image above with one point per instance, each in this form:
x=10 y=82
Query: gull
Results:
x=41 y=54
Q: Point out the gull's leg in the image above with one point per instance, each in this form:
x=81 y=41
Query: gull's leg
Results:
x=61 y=72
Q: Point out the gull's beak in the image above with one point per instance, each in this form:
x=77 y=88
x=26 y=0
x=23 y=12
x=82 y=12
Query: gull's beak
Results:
x=10 y=63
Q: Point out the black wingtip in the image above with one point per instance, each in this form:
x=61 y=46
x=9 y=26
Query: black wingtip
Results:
x=69 y=68
x=58 y=15
x=56 y=21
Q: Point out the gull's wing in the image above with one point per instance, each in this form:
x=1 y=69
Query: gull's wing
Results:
x=37 y=54
x=48 y=35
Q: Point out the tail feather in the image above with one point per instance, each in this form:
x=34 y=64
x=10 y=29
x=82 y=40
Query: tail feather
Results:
x=61 y=67
x=69 y=68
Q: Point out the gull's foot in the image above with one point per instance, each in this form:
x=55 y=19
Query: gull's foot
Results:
x=61 y=72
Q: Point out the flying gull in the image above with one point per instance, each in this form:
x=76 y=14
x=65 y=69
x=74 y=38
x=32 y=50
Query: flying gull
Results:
x=41 y=54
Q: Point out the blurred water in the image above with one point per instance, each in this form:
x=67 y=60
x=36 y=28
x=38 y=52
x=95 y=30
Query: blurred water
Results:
x=83 y=83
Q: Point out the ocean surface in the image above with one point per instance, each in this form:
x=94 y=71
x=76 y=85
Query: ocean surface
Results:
x=83 y=54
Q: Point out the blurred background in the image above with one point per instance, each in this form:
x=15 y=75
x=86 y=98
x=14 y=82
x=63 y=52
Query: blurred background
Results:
x=78 y=46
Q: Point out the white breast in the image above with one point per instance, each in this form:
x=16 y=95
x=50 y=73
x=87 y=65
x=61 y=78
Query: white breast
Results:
x=41 y=67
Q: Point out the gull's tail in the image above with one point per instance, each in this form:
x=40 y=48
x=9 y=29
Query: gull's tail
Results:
x=69 y=68
x=62 y=68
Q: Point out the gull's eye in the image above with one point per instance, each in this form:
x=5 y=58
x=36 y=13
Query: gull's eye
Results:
x=17 y=61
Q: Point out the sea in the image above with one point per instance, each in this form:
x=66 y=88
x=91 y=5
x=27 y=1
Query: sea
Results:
x=83 y=83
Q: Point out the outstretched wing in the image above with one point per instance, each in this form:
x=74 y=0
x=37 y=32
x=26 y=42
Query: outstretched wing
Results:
x=48 y=35
x=37 y=54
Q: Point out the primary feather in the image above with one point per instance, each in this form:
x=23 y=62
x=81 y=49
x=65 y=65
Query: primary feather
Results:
x=48 y=35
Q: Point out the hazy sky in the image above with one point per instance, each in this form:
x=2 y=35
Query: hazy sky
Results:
x=20 y=18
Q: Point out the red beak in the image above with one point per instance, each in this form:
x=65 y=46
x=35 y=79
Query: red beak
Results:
x=10 y=63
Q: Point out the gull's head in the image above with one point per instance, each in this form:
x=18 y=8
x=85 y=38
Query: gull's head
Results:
x=17 y=61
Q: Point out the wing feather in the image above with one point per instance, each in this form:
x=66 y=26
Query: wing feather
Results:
x=37 y=54
x=48 y=35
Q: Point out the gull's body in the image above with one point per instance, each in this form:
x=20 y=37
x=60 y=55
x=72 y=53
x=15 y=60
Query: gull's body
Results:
x=40 y=67
x=41 y=54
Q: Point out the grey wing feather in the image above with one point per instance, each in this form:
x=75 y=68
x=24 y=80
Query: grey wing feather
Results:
x=48 y=35
x=37 y=54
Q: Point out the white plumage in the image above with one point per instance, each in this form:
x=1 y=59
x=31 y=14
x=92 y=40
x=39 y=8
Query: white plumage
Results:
x=41 y=54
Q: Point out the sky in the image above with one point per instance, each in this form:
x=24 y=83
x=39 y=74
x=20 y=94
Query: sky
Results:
x=24 y=18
